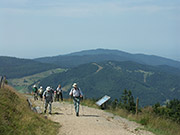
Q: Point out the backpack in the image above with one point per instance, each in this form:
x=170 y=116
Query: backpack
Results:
x=35 y=89
x=48 y=95
x=40 y=91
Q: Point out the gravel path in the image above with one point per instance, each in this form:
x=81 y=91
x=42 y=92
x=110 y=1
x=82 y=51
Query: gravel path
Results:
x=91 y=121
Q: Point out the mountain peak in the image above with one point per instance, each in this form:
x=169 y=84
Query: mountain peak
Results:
x=99 y=55
x=98 y=51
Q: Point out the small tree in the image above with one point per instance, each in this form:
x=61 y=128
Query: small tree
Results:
x=131 y=107
x=6 y=82
x=127 y=101
x=156 y=107
x=114 y=104
x=124 y=98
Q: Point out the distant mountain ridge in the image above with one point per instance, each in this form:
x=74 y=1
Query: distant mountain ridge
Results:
x=148 y=83
x=99 y=55
x=151 y=78
x=15 y=67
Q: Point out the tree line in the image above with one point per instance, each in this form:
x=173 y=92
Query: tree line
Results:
x=171 y=110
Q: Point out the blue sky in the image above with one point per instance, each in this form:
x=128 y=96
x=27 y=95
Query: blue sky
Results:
x=37 y=28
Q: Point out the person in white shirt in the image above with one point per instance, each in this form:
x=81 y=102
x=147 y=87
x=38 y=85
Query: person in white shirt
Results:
x=40 y=91
x=58 y=93
x=48 y=97
x=76 y=93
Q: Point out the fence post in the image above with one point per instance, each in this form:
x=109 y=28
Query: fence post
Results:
x=137 y=105
x=1 y=81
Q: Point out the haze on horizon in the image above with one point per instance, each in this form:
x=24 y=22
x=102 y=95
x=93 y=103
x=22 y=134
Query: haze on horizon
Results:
x=38 y=28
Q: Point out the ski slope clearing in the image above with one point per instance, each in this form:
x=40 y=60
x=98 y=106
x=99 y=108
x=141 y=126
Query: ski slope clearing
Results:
x=91 y=121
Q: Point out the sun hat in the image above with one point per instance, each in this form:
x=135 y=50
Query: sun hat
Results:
x=75 y=85
x=48 y=88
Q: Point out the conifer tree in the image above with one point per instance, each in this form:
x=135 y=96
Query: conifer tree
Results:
x=127 y=101
x=125 y=97
x=114 y=103
x=131 y=104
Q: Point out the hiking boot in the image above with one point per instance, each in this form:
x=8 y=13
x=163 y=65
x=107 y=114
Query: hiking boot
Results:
x=77 y=114
x=50 y=113
x=44 y=111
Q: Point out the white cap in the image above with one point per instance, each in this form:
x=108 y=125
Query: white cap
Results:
x=41 y=87
x=48 y=88
x=75 y=85
x=34 y=86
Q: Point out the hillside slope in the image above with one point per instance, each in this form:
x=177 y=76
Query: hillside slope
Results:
x=25 y=83
x=17 y=118
x=16 y=68
x=148 y=83
x=99 y=55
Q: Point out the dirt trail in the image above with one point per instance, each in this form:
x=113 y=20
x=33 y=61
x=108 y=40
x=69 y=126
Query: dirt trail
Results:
x=99 y=67
x=91 y=121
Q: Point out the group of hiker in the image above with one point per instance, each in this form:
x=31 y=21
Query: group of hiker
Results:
x=49 y=94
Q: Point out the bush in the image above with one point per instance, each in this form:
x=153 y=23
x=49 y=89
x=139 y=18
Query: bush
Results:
x=171 y=110
x=144 y=120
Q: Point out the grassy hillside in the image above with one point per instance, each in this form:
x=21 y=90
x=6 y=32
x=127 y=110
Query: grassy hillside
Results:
x=148 y=83
x=17 y=118
x=16 y=68
x=23 y=84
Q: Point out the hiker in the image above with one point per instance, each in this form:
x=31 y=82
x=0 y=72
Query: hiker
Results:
x=40 y=91
x=76 y=94
x=35 y=92
x=58 y=93
x=48 y=97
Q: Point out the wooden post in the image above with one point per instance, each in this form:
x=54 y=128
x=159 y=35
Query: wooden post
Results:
x=105 y=105
x=137 y=105
x=1 y=81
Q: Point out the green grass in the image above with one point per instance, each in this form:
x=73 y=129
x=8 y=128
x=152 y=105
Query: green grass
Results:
x=22 y=84
x=89 y=103
x=17 y=118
